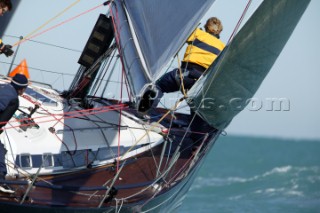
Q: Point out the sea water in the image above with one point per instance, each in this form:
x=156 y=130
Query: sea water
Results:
x=246 y=174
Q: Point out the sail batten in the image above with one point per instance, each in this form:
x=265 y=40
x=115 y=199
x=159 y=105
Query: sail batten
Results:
x=239 y=71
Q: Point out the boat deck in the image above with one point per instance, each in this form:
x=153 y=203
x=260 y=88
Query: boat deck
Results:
x=136 y=179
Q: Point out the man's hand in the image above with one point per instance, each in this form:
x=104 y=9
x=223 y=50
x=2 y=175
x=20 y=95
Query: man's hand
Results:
x=6 y=49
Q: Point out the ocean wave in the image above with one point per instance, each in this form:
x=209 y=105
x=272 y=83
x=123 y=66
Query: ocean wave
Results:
x=282 y=191
x=289 y=170
x=277 y=170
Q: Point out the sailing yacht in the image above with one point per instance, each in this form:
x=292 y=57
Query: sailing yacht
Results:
x=79 y=151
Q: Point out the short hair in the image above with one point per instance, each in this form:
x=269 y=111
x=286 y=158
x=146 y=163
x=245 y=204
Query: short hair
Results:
x=214 y=26
x=6 y=3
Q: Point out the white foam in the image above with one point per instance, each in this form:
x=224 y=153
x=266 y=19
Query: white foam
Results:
x=214 y=181
x=282 y=190
x=278 y=170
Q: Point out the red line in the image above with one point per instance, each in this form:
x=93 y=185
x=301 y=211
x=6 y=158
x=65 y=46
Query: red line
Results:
x=103 y=109
x=55 y=26
x=240 y=20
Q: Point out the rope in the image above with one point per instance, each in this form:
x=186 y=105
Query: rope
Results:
x=106 y=64
x=46 y=23
x=174 y=160
x=181 y=78
x=45 y=43
x=204 y=93
x=152 y=127
x=117 y=38
x=24 y=173
x=70 y=114
x=32 y=182
x=120 y=116
x=42 y=70
x=111 y=185
x=240 y=21
x=118 y=172
x=154 y=181
x=55 y=26
x=102 y=133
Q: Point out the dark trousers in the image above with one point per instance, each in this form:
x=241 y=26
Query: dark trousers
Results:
x=5 y=116
x=3 y=168
x=171 y=82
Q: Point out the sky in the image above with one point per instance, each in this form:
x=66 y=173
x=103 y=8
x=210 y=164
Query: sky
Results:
x=293 y=78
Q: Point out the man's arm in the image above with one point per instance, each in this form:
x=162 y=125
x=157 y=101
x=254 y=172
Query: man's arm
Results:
x=6 y=114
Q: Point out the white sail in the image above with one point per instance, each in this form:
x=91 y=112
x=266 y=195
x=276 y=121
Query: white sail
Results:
x=150 y=33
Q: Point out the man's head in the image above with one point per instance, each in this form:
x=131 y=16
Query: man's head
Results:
x=5 y=5
x=20 y=83
x=213 y=26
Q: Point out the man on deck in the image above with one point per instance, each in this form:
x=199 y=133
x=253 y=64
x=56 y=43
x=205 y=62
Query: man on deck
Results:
x=202 y=50
x=9 y=103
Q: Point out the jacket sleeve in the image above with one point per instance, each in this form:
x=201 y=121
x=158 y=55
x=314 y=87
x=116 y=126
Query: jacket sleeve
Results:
x=6 y=114
x=5 y=97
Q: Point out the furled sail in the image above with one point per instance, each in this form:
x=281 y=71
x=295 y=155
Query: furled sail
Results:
x=234 y=78
x=150 y=32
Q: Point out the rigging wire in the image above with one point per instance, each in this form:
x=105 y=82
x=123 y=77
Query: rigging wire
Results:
x=45 y=43
x=231 y=37
x=60 y=24
x=176 y=153
x=108 y=79
x=117 y=38
x=239 y=21
x=120 y=118
x=180 y=172
x=42 y=70
x=181 y=78
x=185 y=132
x=59 y=120
x=112 y=184
x=98 y=80
x=152 y=126
x=47 y=22
x=155 y=181
x=106 y=67
x=149 y=130
x=204 y=93
x=176 y=106
x=102 y=132
x=66 y=115
x=11 y=150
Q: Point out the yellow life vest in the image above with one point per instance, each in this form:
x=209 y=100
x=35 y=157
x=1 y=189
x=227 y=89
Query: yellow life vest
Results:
x=203 y=48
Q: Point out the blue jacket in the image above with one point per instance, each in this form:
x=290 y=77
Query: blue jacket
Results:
x=9 y=103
